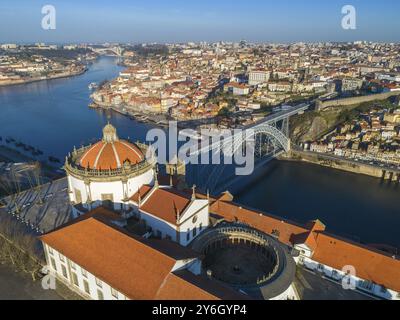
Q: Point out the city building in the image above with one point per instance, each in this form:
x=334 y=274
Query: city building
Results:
x=257 y=77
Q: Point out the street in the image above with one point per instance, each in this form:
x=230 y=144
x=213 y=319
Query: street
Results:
x=313 y=287
x=19 y=286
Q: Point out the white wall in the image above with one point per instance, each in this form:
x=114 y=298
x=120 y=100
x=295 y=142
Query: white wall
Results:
x=156 y=224
x=338 y=275
x=304 y=249
x=193 y=265
x=198 y=208
x=115 y=188
x=289 y=294
x=90 y=278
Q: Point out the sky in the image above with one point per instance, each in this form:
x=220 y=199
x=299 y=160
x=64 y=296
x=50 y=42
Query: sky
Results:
x=168 y=21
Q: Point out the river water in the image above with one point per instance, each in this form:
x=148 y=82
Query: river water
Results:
x=54 y=117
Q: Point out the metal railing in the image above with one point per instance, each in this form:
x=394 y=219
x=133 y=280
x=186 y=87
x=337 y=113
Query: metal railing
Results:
x=127 y=169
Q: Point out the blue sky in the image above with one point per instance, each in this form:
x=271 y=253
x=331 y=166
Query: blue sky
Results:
x=202 y=20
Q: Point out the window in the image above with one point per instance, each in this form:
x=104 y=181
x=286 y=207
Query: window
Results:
x=78 y=196
x=99 y=283
x=62 y=258
x=64 y=271
x=51 y=250
x=75 y=279
x=366 y=285
x=53 y=264
x=86 y=286
x=194 y=232
x=107 y=200
x=321 y=267
x=100 y=295
x=188 y=235
x=114 y=293
x=73 y=266
x=201 y=227
x=168 y=237
x=84 y=272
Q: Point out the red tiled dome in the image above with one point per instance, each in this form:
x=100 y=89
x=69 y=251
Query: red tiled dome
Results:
x=111 y=153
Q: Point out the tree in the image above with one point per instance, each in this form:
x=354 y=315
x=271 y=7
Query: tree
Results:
x=224 y=112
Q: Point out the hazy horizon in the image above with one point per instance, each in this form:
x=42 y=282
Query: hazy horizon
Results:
x=178 y=21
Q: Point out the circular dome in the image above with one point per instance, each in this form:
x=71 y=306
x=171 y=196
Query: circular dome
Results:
x=111 y=152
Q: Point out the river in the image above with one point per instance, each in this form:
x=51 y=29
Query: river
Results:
x=354 y=206
x=54 y=117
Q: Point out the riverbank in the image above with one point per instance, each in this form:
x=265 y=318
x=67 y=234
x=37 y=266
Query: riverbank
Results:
x=347 y=165
x=10 y=155
x=37 y=79
x=157 y=119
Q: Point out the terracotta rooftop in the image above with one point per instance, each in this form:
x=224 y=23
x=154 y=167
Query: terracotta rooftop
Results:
x=110 y=152
x=132 y=265
x=142 y=192
x=105 y=156
x=183 y=284
x=165 y=203
x=265 y=223
x=371 y=264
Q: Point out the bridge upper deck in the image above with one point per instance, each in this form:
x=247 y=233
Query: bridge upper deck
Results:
x=281 y=115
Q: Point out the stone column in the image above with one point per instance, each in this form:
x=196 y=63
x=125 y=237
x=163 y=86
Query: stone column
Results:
x=89 y=198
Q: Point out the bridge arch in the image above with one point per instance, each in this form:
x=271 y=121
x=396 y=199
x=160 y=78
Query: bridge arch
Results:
x=115 y=50
x=269 y=130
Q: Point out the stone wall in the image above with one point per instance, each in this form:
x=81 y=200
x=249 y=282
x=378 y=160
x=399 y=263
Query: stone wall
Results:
x=355 y=100
x=342 y=164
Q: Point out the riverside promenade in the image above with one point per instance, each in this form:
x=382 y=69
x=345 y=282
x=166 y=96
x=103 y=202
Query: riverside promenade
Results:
x=44 y=78
x=381 y=171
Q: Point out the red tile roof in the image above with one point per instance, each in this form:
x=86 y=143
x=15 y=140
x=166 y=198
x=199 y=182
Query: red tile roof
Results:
x=369 y=263
x=182 y=284
x=142 y=192
x=166 y=204
x=132 y=265
x=261 y=221
x=105 y=156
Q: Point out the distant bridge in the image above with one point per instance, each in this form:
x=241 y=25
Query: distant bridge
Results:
x=115 y=50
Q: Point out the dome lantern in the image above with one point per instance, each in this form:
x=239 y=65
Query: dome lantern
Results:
x=109 y=134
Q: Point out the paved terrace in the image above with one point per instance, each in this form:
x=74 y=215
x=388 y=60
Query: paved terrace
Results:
x=45 y=208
